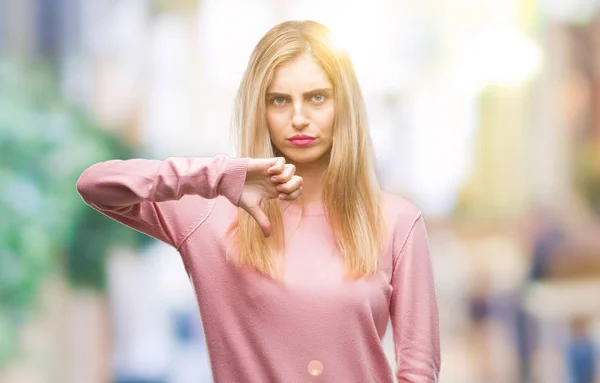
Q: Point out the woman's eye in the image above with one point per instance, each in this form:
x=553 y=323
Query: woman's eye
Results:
x=318 y=98
x=278 y=101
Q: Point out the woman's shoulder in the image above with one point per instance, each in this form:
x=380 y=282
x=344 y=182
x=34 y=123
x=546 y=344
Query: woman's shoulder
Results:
x=399 y=206
x=401 y=213
x=402 y=216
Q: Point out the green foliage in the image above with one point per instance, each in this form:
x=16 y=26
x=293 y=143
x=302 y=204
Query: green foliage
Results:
x=165 y=6
x=44 y=146
x=587 y=173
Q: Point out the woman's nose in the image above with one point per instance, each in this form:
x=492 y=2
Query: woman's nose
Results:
x=299 y=119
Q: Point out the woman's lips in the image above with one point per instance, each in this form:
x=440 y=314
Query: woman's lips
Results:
x=302 y=141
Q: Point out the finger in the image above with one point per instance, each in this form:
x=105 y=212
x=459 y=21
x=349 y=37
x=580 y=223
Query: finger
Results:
x=292 y=185
x=286 y=174
x=292 y=196
x=261 y=218
x=277 y=167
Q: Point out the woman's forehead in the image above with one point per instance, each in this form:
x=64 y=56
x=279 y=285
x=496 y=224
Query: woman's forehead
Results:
x=301 y=73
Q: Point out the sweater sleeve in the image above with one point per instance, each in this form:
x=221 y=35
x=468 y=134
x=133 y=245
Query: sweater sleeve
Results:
x=414 y=311
x=145 y=194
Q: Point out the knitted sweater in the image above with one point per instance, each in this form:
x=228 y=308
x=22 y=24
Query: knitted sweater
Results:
x=312 y=326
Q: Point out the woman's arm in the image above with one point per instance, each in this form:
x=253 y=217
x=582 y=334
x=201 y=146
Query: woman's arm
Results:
x=143 y=194
x=414 y=311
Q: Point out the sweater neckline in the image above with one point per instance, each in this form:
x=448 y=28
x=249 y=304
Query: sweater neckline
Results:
x=297 y=209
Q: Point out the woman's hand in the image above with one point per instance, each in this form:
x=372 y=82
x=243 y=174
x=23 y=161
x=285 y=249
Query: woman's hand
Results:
x=268 y=178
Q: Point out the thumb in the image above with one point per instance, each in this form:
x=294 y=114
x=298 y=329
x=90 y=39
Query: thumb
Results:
x=261 y=218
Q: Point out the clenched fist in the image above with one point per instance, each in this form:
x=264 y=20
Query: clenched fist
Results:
x=268 y=178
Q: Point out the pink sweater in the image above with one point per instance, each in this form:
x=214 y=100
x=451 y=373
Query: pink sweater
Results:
x=313 y=327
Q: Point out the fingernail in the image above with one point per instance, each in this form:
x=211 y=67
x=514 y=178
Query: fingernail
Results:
x=274 y=179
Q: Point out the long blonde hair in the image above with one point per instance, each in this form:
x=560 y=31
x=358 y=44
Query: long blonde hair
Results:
x=352 y=195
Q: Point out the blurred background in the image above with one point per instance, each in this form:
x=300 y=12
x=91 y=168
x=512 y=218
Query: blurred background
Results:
x=484 y=113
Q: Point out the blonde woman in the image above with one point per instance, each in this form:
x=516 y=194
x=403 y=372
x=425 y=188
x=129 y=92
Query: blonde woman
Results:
x=297 y=257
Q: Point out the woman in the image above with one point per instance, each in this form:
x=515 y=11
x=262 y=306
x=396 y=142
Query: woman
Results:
x=297 y=257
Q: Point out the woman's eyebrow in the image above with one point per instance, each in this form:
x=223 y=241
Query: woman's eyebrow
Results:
x=310 y=92
x=318 y=91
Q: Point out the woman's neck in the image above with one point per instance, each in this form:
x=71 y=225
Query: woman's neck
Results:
x=313 y=184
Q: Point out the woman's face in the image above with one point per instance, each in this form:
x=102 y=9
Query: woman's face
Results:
x=301 y=111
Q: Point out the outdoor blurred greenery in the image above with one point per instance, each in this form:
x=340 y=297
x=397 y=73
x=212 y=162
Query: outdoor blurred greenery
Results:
x=45 y=145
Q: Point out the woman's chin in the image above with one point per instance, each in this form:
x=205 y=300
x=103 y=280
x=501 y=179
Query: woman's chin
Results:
x=305 y=158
